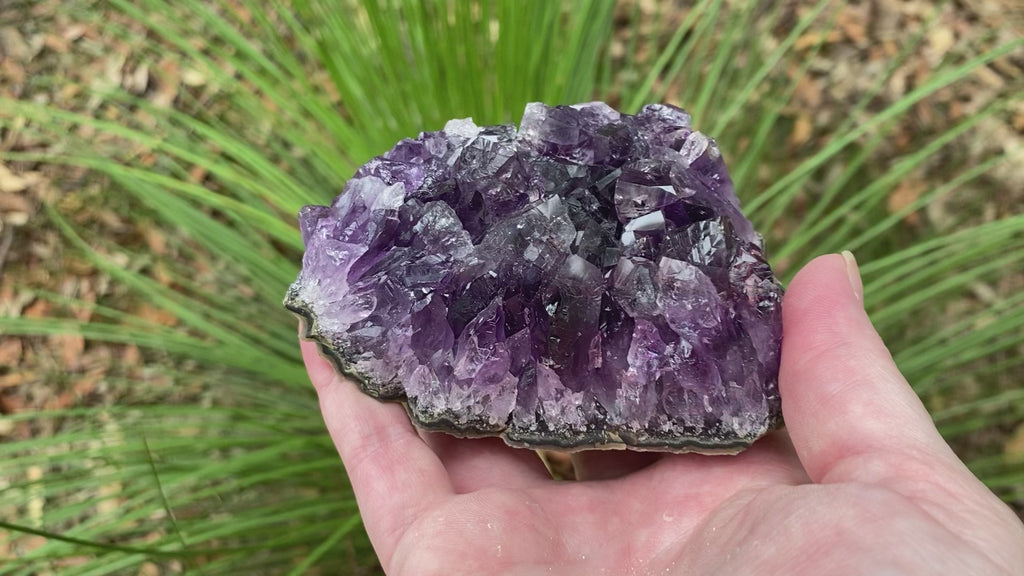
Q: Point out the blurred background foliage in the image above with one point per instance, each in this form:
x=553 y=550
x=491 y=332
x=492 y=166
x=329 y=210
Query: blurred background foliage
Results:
x=156 y=415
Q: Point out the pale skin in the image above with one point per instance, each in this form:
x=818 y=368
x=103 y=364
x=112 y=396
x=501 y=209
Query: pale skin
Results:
x=860 y=482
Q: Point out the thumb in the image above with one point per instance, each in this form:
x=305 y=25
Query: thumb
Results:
x=842 y=395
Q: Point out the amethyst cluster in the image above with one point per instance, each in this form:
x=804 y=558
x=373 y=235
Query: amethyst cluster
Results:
x=585 y=281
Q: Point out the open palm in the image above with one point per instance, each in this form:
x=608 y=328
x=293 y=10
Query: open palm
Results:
x=861 y=484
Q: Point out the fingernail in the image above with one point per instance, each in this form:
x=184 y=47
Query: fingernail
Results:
x=853 y=275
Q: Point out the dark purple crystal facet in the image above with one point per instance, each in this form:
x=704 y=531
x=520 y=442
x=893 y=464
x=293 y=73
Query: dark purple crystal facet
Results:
x=585 y=281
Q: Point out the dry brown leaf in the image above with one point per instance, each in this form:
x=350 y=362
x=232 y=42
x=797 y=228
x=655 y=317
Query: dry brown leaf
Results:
x=989 y=77
x=940 y=41
x=137 y=81
x=37 y=309
x=803 y=128
x=903 y=196
x=167 y=76
x=887 y=19
x=1017 y=116
x=131 y=356
x=1009 y=67
x=147 y=159
x=86 y=385
x=74 y=32
x=925 y=112
x=241 y=11
x=808 y=91
x=70 y=348
x=162 y=274
x=11 y=182
x=193 y=78
x=197 y=174
x=156 y=315
x=852 y=24
x=155 y=239
x=13 y=45
x=202 y=266
x=14 y=208
x=890 y=48
x=11 y=403
x=811 y=39
x=13 y=302
x=84 y=313
x=15 y=218
x=111 y=220
x=61 y=401
x=10 y=351
x=956 y=110
x=902 y=140
x=68 y=92
x=30 y=543
x=58 y=44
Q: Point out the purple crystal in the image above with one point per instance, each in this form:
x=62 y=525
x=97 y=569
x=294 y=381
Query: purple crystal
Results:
x=585 y=281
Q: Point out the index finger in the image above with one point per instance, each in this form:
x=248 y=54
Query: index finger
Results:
x=395 y=476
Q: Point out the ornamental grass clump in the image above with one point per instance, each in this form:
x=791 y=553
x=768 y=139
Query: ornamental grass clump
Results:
x=279 y=103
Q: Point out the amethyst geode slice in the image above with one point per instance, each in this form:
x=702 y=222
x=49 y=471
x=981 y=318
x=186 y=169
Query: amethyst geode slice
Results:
x=586 y=281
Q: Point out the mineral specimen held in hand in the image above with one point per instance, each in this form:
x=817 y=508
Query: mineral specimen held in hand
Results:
x=585 y=281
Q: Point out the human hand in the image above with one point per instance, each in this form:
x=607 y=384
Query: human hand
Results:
x=862 y=483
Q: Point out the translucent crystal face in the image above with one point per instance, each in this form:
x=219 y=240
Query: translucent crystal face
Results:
x=585 y=281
